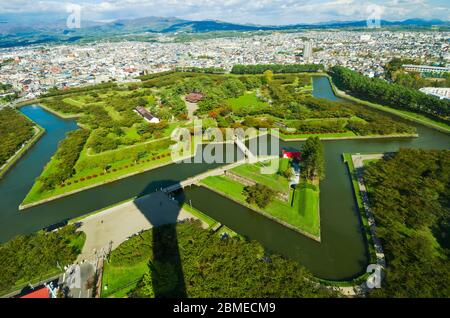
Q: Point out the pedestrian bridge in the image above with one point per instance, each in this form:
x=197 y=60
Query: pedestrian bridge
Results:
x=242 y=147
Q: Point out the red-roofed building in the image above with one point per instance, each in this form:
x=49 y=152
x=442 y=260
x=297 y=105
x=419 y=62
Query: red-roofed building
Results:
x=38 y=293
x=194 y=97
x=292 y=154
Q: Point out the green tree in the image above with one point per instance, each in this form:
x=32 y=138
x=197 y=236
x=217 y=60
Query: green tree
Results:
x=313 y=161
x=258 y=194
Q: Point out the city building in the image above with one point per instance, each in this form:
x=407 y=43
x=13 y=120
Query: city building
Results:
x=440 y=92
x=425 y=68
x=308 y=51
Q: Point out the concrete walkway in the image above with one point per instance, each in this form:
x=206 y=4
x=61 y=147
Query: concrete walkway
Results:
x=108 y=229
x=191 y=108
x=358 y=163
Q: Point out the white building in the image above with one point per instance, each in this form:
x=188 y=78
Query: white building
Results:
x=426 y=68
x=441 y=92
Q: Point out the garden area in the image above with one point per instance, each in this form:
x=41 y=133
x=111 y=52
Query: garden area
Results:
x=114 y=141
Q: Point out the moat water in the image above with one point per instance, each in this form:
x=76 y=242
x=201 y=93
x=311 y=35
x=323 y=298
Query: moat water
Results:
x=342 y=254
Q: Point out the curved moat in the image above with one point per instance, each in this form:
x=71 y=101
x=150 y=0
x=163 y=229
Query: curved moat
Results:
x=341 y=254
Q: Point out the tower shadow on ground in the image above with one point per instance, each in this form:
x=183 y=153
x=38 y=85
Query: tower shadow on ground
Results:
x=164 y=213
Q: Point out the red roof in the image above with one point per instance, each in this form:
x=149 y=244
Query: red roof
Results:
x=194 y=97
x=38 y=293
x=292 y=154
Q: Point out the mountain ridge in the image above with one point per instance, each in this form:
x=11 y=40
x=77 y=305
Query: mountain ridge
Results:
x=19 y=31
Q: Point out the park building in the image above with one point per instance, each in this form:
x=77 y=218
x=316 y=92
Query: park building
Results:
x=147 y=115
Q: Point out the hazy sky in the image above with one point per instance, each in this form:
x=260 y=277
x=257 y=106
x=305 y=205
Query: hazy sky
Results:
x=240 y=11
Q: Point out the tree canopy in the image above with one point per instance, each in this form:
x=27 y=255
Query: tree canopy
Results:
x=15 y=129
x=409 y=195
x=230 y=267
x=29 y=257
x=258 y=194
x=393 y=95
x=313 y=161
x=276 y=68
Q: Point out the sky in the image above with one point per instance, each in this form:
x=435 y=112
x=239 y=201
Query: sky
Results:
x=269 y=12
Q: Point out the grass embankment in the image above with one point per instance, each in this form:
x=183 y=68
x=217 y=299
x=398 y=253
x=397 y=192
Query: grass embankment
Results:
x=365 y=224
x=344 y=135
x=120 y=280
x=200 y=215
x=275 y=181
x=301 y=211
x=117 y=172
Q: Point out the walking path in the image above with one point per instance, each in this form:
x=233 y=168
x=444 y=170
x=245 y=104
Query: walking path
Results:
x=358 y=163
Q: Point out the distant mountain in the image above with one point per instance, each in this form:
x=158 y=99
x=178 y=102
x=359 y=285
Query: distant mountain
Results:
x=26 y=29
x=210 y=26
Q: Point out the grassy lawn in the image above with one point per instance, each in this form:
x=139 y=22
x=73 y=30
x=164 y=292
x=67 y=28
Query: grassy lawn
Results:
x=300 y=215
x=121 y=279
x=73 y=102
x=274 y=181
x=249 y=101
x=307 y=202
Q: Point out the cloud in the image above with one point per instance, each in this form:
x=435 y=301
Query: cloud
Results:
x=240 y=11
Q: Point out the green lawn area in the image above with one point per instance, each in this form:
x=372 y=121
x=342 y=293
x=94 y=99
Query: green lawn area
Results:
x=73 y=102
x=306 y=201
x=249 y=101
x=122 y=279
x=274 y=181
x=121 y=168
x=303 y=214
